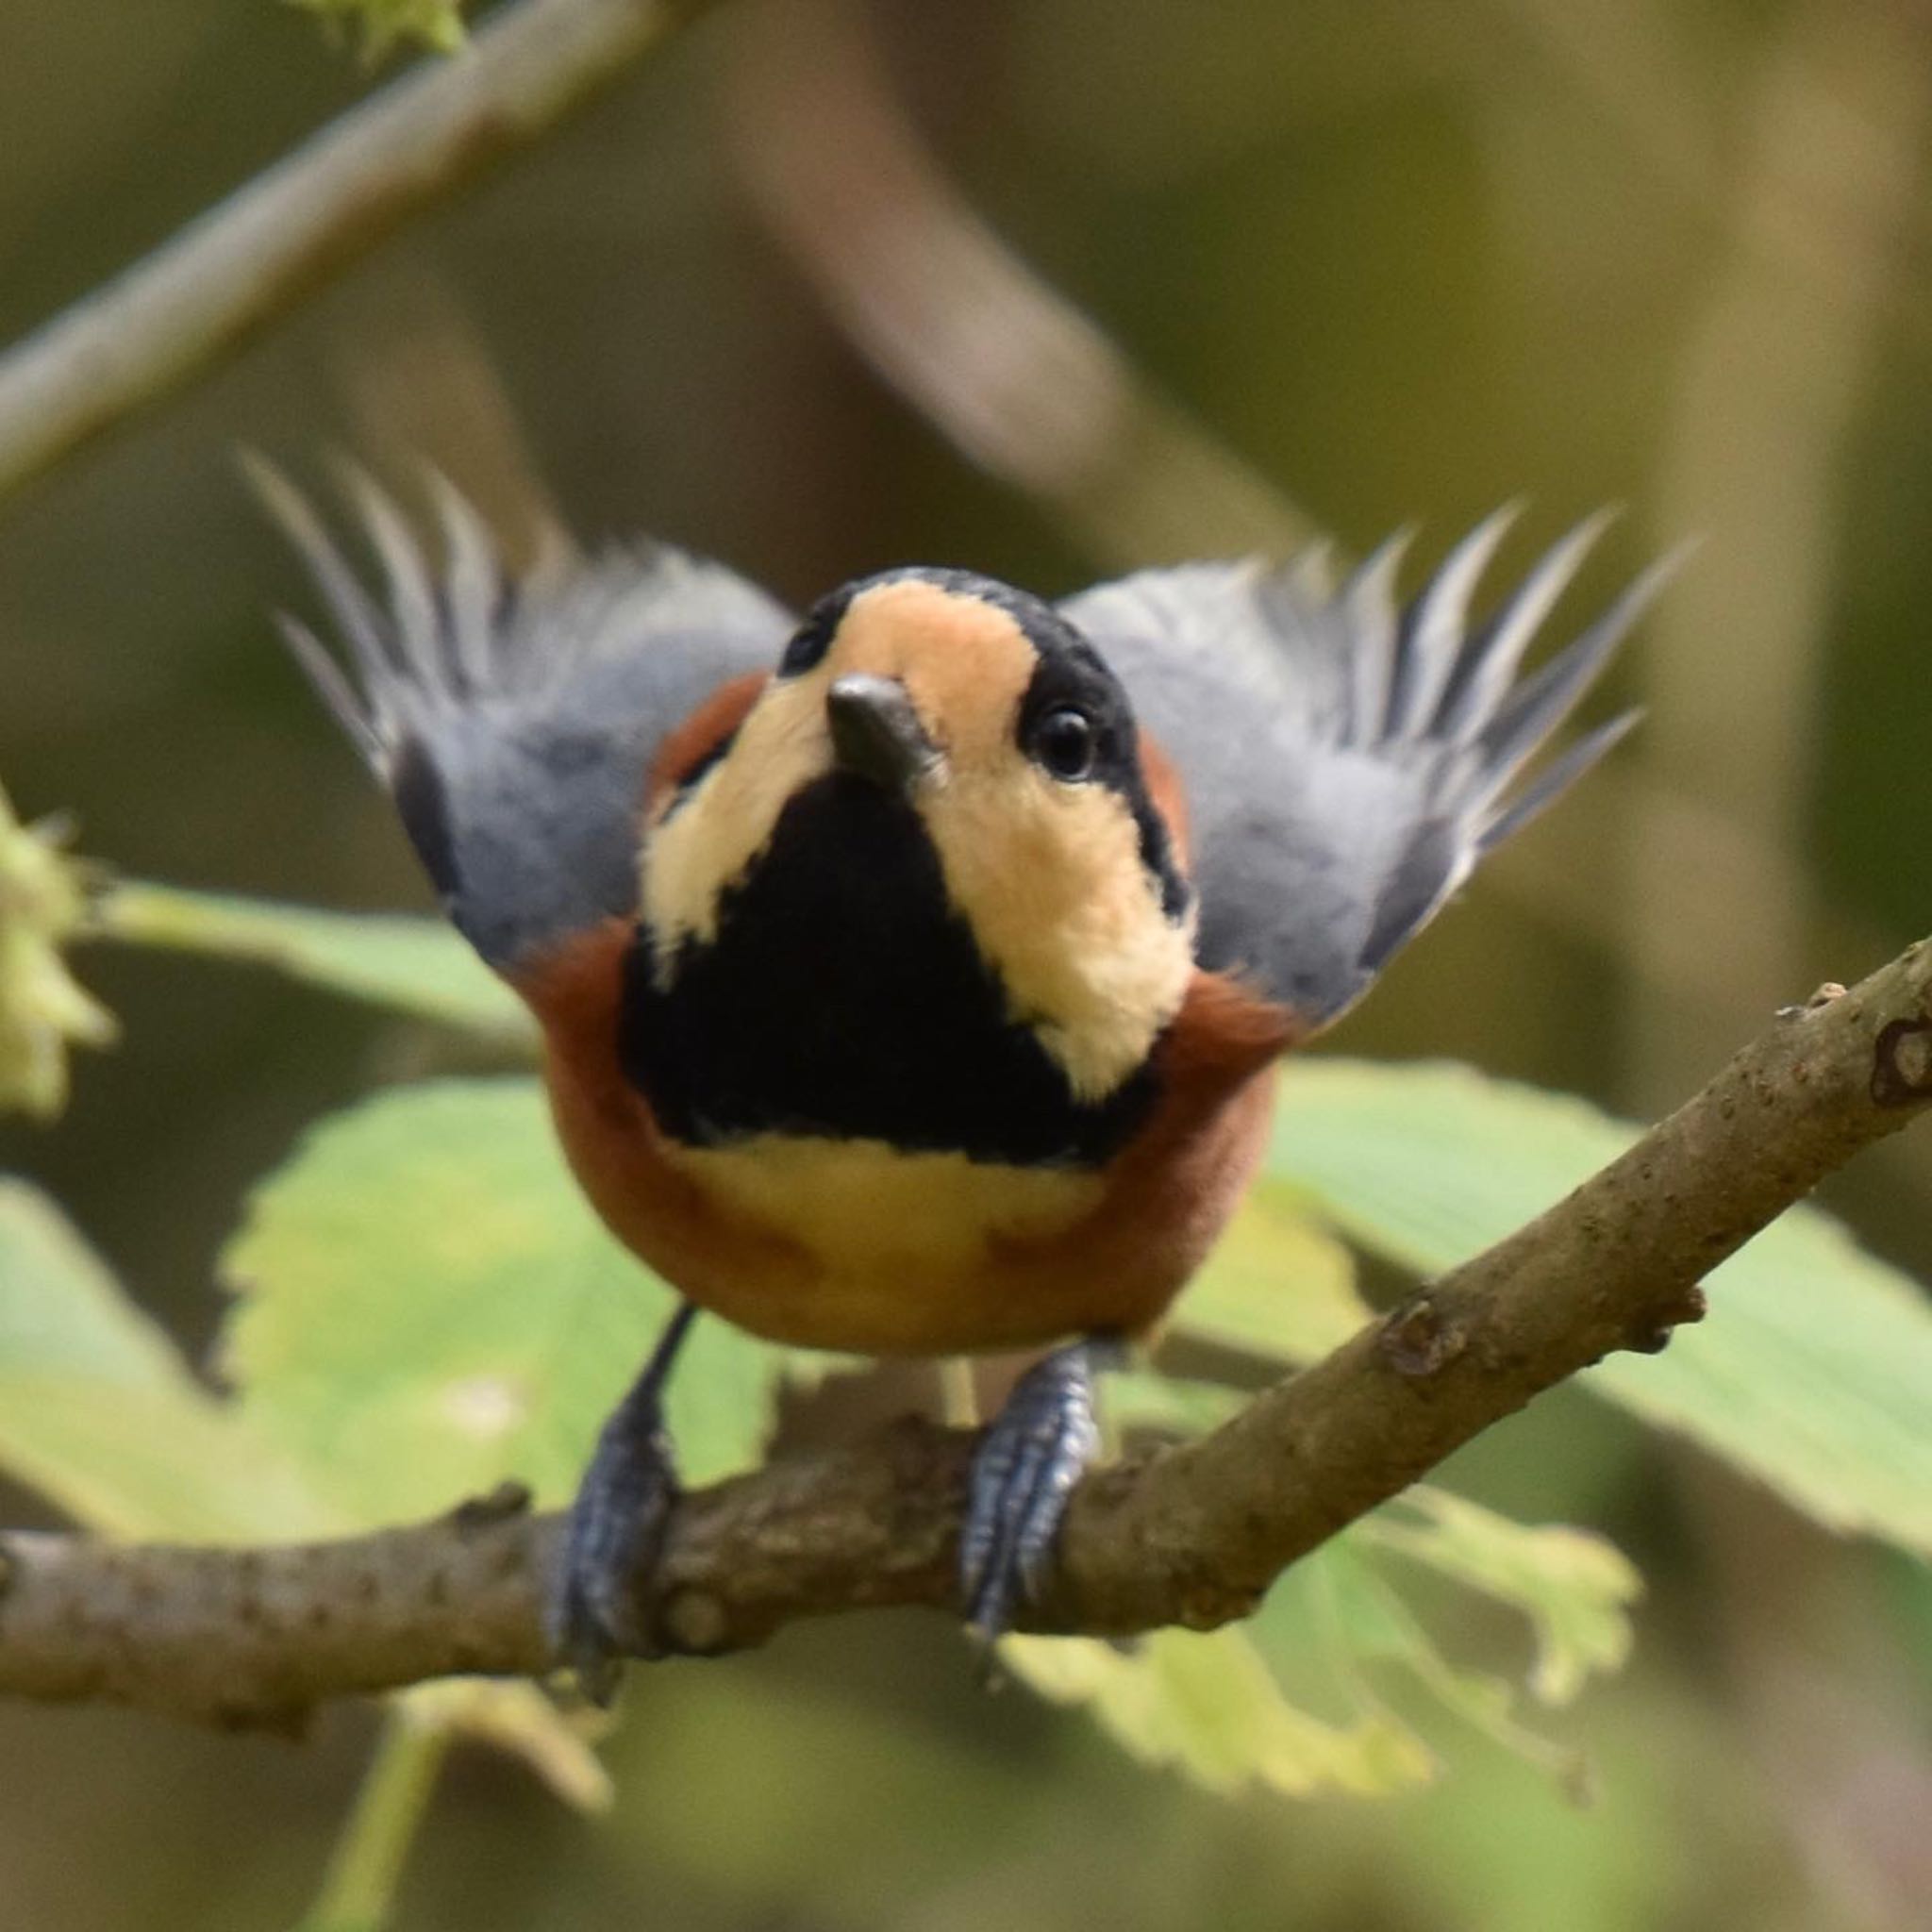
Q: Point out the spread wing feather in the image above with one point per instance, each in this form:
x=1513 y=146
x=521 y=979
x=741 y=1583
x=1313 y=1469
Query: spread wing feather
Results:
x=1348 y=760
x=513 y=719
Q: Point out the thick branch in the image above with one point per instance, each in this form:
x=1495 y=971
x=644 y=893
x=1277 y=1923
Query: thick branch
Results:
x=254 y=256
x=1190 y=1534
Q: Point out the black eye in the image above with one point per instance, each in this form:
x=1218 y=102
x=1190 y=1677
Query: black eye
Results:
x=806 y=649
x=813 y=638
x=1066 y=744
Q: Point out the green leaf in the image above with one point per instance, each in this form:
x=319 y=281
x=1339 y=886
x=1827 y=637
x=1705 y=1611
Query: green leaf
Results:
x=99 y=1413
x=1367 y=1621
x=1813 y=1370
x=1276 y=1285
x=1168 y=1405
x=427 y=1307
x=1574 y=1586
x=411 y=965
x=62 y=1312
x=1208 y=1705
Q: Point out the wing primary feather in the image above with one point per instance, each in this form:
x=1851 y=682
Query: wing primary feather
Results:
x=1430 y=637
x=1539 y=704
x=1435 y=861
x=412 y=597
x=513 y=720
x=1555 y=779
x=1366 y=606
x=471 y=634
x=1490 y=656
x=333 y=687
x=361 y=624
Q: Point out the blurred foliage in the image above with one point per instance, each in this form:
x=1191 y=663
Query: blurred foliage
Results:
x=383 y=23
x=1812 y=1368
x=405 y=964
x=1409 y=261
x=429 y=1306
x=42 y=1011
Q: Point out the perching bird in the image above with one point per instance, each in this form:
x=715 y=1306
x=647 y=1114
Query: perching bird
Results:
x=912 y=977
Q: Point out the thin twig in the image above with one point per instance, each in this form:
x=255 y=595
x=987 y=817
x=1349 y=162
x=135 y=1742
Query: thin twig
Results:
x=177 y=313
x=1191 y=1535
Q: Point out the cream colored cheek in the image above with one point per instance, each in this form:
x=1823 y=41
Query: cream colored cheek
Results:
x=1051 y=880
x=707 y=845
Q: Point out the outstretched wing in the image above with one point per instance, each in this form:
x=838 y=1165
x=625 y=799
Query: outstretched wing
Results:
x=515 y=720
x=1347 y=762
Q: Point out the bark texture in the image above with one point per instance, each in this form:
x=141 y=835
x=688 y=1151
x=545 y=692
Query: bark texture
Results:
x=1190 y=1535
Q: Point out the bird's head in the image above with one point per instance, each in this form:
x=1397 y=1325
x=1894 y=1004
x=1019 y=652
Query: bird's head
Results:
x=938 y=759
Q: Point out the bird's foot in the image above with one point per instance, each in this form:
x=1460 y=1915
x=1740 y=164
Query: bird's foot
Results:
x=600 y=1599
x=1033 y=1455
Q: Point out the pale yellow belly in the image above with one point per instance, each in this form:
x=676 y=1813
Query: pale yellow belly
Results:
x=879 y=1250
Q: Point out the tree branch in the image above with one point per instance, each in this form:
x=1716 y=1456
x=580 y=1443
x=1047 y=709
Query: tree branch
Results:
x=1190 y=1535
x=226 y=274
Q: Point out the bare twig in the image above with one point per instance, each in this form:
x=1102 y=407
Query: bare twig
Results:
x=178 y=312
x=1191 y=1535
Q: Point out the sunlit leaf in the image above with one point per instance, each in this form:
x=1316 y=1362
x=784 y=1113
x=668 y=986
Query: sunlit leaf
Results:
x=1170 y=1404
x=1276 y=1285
x=1208 y=1705
x=1574 y=1586
x=61 y=1310
x=427 y=1306
x=100 y=1415
x=411 y=965
x=1369 y=1622
x=1814 y=1371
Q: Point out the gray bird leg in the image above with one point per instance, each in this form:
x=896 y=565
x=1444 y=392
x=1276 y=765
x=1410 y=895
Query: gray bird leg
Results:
x=616 y=1530
x=1037 y=1449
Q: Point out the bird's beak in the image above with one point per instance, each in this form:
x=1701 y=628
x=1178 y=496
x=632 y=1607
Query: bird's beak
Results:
x=875 y=732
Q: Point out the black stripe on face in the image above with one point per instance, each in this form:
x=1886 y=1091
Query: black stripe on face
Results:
x=843 y=998
x=806 y=649
x=1073 y=676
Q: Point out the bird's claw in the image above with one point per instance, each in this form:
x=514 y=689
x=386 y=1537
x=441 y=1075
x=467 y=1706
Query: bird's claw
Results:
x=598 y=1613
x=1037 y=1449
x=600 y=1605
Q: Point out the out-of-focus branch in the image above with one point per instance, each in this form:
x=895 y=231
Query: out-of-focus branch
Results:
x=175 y=314
x=1191 y=1535
x=1011 y=370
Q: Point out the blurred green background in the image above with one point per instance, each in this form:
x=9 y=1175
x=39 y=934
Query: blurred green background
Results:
x=1403 y=261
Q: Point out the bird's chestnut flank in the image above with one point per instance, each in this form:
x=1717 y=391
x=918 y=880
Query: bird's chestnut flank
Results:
x=912 y=976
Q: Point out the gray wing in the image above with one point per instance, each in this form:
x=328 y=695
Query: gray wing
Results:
x=515 y=720
x=1348 y=761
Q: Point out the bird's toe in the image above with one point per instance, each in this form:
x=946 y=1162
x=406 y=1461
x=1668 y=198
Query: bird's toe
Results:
x=1033 y=1455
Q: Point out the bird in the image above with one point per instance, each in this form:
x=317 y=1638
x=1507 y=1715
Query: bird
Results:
x=912 y=973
